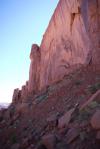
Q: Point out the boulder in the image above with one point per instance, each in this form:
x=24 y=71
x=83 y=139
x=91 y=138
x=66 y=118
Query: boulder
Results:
x=65 y=119
x=95 y=120
x=72 y=134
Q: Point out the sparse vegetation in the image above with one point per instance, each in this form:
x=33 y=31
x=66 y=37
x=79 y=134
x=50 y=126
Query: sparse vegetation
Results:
x=93 y=88
x=42 y=98
x=86 y=113
x=94 y=105
x=83 y=115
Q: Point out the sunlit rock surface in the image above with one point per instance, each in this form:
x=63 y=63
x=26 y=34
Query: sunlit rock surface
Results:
x=34 y=73
x=72 y=38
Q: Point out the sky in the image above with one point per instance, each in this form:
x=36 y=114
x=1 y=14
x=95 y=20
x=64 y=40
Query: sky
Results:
x=22 y=23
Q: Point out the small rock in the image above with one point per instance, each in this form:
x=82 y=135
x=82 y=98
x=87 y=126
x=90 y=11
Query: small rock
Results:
x=49 y=141
x=95 y=120
x=72 y=134
x=65 y=119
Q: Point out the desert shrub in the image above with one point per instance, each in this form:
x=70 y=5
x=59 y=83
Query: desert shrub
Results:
x=94 y=105
x=83 y=115
x=94 y=88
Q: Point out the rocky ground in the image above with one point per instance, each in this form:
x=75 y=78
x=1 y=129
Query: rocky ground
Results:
x=66 y=115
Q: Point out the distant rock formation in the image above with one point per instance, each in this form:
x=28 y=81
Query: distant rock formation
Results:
x=71 y=39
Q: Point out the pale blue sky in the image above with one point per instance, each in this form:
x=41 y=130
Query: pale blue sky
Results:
x=22 y=22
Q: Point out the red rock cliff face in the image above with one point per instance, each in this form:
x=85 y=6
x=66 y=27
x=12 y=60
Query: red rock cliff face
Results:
x=72 y=38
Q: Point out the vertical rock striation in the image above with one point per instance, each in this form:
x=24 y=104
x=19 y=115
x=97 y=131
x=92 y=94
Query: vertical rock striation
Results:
x=72 y=38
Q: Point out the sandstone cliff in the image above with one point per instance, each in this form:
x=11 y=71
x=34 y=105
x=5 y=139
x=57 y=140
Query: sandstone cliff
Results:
x=54 y=110
x=71 y=39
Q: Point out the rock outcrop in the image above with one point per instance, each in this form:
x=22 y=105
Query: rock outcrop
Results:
x=32 y=85
x=20 y=95
x=16 y=95
x=34 y=73
x=24 y=91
